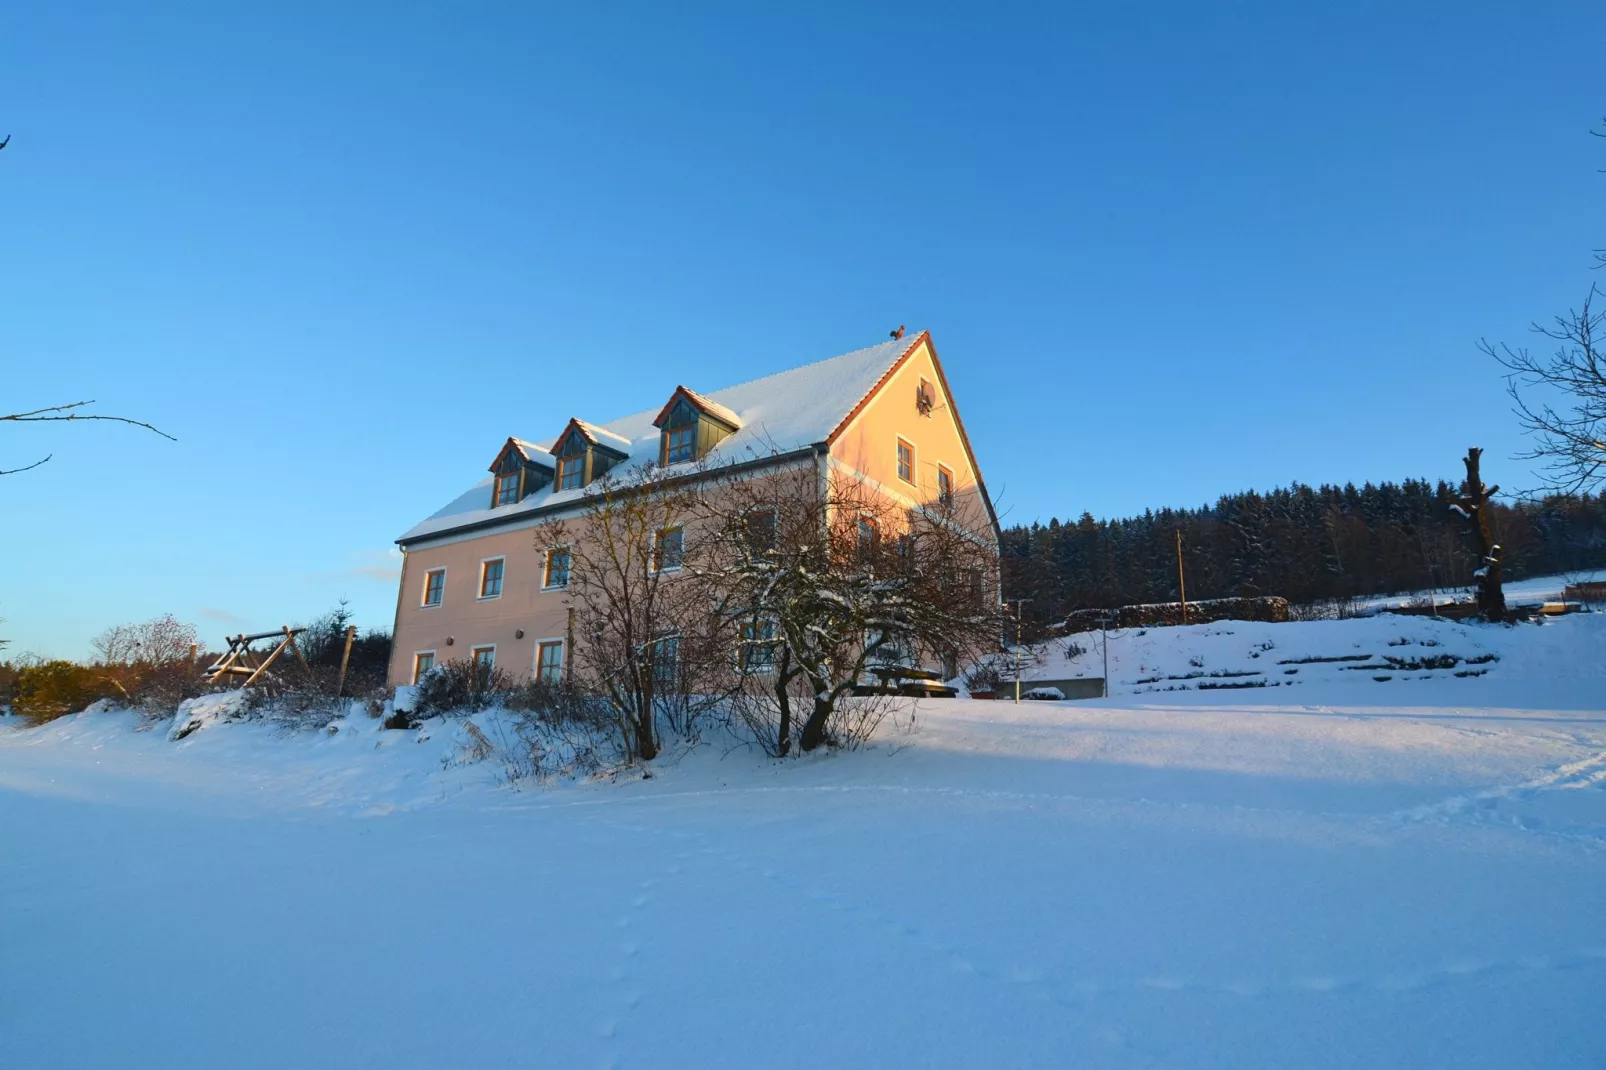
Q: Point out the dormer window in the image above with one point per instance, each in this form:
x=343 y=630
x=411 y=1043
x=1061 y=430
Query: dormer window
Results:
x=691 y=425
x=585 y=451
x=680 y=444
x=519 y=471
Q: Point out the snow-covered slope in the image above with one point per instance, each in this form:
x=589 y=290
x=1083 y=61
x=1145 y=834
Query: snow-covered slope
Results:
x=1396 y=653
x=1337 y=874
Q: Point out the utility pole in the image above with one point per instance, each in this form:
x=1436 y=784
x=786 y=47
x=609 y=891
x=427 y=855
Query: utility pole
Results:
x=1104 y=625
x=1182 y=585
x=1019 y=602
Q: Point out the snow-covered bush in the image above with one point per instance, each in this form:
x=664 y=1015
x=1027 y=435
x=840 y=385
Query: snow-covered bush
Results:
x=197 y=713
x=456 y=686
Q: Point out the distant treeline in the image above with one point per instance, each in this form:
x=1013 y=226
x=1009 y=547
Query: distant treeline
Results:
x=1303 y=543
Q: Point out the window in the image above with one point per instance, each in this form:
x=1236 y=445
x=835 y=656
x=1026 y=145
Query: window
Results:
x=549 y=661
x=571 y=472
x=422 y=663
x=869 y=536
x=906 y=461
x=491 y=578
x=758 y=648
x=484 y=658
x=945 y=485
x=507 y=488
x=680 y=444
x=557 y=568
x=668 y=549
x=434 y=586
x=665 y=655
x=758 y=532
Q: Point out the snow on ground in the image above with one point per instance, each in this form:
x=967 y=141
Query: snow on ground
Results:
x=1395 y=652
x=1335 y=874
x=1531 y=591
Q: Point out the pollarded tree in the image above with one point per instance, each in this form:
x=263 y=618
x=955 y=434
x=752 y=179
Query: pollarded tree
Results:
x=825 y=577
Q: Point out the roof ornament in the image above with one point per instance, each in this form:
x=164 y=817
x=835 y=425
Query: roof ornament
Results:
x=898 y=333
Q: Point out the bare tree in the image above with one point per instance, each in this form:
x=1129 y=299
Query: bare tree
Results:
x=642 y=637
x=1569 y=432
x=827 y=578
x=1560 y=399
x=67 y=414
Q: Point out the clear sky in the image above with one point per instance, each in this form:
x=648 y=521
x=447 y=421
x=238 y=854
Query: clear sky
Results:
x=1165 y=251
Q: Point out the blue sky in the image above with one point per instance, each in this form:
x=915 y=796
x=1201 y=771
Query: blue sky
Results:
x=1165 y=252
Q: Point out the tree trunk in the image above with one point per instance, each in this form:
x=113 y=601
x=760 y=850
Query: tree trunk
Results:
x=814 y=727
x=1491 y=597
x=783 y=734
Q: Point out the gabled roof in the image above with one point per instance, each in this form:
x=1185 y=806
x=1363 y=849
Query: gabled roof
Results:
x=528 y=452
x=778 y=414
x=597 y=436
x=707 y=406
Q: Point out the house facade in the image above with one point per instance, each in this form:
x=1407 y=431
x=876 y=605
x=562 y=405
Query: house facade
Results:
x=475 y=584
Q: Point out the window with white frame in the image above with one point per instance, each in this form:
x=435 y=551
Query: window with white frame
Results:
x=549 y=661
x=759 y=646
x=758 y=531
x=556 y=572
x=484 y=659
x=665 y=660
x=434 y=587
x=491 y=577
x=668 y=548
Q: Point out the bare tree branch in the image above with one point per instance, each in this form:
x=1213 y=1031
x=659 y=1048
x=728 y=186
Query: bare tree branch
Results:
x=1569 y=432
x=67 y=414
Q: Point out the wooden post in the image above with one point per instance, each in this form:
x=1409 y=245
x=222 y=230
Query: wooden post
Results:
x=345 y=656
x=1182 y=586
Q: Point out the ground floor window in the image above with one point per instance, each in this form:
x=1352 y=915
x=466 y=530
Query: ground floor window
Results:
x=549 y=661
x=422 y=663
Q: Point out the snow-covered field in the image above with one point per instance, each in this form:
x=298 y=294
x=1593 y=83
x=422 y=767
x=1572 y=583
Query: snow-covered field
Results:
x=1532 y=590
x=1346 y=872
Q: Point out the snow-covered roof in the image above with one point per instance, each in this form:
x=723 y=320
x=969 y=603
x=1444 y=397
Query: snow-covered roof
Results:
x=532 y=453
x=779 y=413
x=601 y=436
x=707 y=405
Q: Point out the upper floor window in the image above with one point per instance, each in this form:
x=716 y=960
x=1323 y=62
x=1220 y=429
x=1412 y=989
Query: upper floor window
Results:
x=690 y=425
x=945 y=485
x=869 y=536
x=571 y=472
x=557 y=568
x=758 y=531
x=434 y=586
x=906 y=461
x=668 y=549
x=491 y=578
x=680 y=444
x=507 y=488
